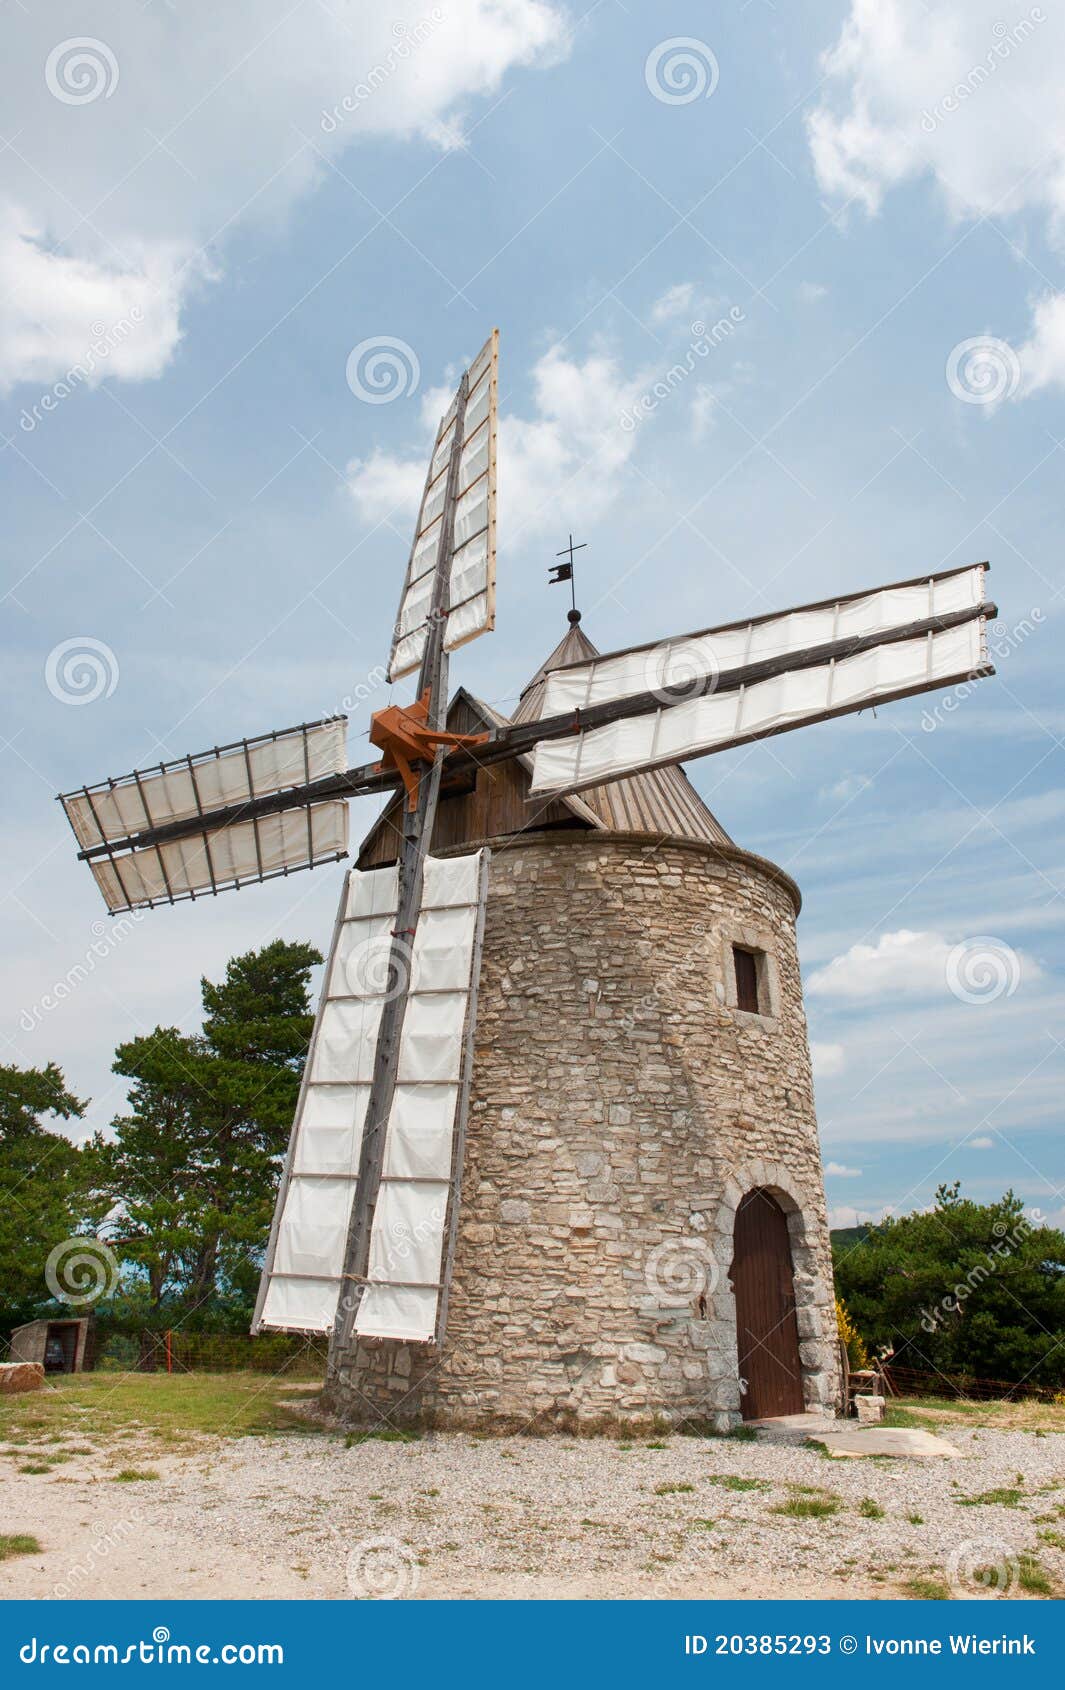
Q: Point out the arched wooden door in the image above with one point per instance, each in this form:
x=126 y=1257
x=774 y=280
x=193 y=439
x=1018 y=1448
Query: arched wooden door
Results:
x=767 y=1333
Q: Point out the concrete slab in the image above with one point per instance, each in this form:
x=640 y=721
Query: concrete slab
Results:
x=796 y=1429
x=901 y=1441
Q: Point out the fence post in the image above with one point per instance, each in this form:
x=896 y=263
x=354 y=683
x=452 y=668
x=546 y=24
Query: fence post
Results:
x=169 y=1355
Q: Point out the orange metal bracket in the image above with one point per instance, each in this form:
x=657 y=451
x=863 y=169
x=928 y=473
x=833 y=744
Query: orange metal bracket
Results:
x=403 y=734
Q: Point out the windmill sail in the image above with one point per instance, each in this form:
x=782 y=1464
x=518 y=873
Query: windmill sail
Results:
x=472 y=564
x=897 y=641
x=415 y=1213
x=674 y=665
x=216 y=856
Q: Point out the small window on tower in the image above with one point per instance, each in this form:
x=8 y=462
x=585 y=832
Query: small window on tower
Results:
x=746 y=965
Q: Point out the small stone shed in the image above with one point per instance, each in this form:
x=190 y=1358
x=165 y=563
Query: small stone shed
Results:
x=61 y=1346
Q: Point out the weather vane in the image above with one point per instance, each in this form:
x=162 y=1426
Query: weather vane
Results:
x=564 y=572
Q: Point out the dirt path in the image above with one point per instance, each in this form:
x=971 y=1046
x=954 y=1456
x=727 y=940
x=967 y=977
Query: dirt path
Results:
x=302 y=1515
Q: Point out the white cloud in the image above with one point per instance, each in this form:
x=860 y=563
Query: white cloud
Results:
x=847 y=787
x=811 y=292
x=983 y=1143
x=827 y=1059
x=846 y=1214
x=1042 y=357
x=908 y=964
x=704 y=410
x=567 y=455
x=839 y=1170
x=217 y=116
x=902 y=962
x=956 y=93
x=81 y=319
x=675 y=302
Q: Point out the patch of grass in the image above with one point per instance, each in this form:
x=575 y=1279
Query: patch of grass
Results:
x=1056 y=1540
x=1003 y=1495
x=926 y=1589
x=915 y=1519
x=1033 y=1579
x=733 y=1481
x=705 y=1525
x=36 y=1467
x=133 y=1475
x=624 y=1447
x=149 y=1406
x=17 y=1543
x=672 y=1490
x=807 y=1504
x=870 y=1509
x=656 y=1446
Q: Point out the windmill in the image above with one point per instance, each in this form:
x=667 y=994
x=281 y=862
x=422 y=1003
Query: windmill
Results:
x=364 y=1236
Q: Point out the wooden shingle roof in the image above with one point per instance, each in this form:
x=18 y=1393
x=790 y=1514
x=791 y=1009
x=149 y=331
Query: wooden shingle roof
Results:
x=658 y=801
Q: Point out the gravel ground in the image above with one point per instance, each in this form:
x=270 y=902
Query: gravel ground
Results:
x=454 y=1516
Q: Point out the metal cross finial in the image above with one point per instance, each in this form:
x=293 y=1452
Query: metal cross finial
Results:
x=564 y=572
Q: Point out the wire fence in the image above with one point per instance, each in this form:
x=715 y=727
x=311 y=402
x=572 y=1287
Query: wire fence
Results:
x=908 y=1382
x=213 y=1352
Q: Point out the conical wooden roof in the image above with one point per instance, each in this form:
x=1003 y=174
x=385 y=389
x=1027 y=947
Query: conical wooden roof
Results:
x=658 y=803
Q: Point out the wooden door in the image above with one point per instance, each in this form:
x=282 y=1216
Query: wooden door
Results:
x=767 y=1333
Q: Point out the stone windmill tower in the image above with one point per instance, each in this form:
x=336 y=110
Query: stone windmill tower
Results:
x=555 y=1154
x=643 y=1217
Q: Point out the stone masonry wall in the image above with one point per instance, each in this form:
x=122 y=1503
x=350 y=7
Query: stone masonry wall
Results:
x=621 y=1106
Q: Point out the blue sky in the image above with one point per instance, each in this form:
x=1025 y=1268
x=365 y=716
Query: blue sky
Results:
x=216 y=507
